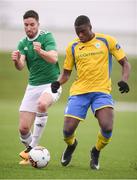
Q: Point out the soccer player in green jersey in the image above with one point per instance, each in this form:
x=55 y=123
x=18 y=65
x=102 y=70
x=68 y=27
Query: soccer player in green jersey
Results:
x=91 y=54
x=38 y=51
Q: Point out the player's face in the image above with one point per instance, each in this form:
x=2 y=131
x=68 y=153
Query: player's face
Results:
x=31 y=27
x=84 y=32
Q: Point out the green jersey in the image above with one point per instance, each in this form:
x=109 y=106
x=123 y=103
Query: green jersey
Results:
x=40 y=71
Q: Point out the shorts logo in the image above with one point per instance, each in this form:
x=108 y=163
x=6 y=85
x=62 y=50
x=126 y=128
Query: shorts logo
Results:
x=118 y=46
x=97 y=45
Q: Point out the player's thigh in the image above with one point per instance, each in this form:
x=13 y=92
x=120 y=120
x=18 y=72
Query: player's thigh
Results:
x=45 y=99
x=70 y=124
x=26 y=120
x=105 y=118
x=102 y=107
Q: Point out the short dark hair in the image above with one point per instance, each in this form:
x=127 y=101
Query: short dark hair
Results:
x=32 y=14
x=82 y=19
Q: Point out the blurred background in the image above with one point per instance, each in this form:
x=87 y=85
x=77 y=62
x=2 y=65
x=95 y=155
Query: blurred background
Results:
x=114 y=17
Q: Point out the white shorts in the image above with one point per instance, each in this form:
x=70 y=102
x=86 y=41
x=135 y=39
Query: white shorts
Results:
x=32 y=94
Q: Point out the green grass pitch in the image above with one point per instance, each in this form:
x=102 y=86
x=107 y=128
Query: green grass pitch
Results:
x=118 y=160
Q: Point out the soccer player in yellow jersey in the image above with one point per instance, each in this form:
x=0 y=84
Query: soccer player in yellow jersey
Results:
x=91 y=54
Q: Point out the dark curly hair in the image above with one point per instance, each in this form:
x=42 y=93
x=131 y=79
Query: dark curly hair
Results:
x=32 y=14
x=82 y=19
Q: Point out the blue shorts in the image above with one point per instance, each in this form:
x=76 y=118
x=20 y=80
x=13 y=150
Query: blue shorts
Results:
x=78 y=105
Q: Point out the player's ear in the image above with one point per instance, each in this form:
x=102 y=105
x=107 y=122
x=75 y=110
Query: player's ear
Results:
x=90 y=26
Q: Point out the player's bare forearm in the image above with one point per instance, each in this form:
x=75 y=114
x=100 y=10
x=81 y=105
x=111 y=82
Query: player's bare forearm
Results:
x=18 y=59
x=126 y=67
x=64 y=76
x=123 y=85
x=50 y=56
x=19 y=66
x=62 y=79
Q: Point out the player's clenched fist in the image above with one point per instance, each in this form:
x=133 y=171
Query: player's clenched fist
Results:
x=37 y=46
x=15 y=55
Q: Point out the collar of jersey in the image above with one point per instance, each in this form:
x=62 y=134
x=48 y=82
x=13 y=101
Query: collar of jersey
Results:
x=88 y=42
x=32 y=39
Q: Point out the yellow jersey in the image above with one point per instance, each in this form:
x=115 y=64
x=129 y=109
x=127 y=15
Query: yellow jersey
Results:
x=93 y=63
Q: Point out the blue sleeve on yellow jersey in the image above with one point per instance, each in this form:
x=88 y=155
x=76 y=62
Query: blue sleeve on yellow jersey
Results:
x=115 y=48
x=70 y=55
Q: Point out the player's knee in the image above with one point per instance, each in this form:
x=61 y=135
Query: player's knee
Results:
x=107 y=127
x=68 y=132
x=42 y=106
x=24 y=130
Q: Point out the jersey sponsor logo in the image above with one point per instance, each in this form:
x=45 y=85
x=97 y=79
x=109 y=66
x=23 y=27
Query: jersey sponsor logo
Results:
x=85 y=55
x=97 y=45
x=118 y=46
x=26 y=48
